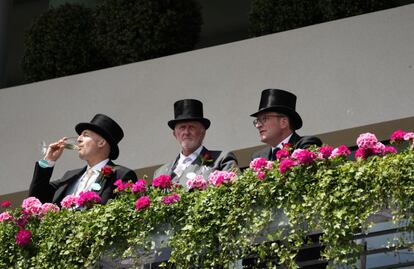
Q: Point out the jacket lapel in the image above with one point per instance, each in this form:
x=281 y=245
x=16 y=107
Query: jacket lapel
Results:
x=67 y=182
x=294 y=139
x=104 y=180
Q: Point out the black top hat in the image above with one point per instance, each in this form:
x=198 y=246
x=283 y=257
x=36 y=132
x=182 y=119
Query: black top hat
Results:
x=188 y=110
x=280 y=101
x=107 y=128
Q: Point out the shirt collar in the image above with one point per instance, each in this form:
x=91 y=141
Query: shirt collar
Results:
x=99 y=166
x=192 y=156
x=284 y=141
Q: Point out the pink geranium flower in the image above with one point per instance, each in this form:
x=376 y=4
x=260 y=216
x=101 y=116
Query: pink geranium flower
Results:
x=218 y=178
x=139 y=186
x=286 y=164
x=170 y=199
x=367 y=141
x=282 y=154
x=325 y=152
x=49 y=207
x=122 y=186
x=258 y=163
x=88 y=199
x=32 y=206
x=23 y=237
x=342 y=150
x=397 y=136
x=162 y=182
x=261 y=175
x=304 y=156
x=198 y=182
x=5 y=216
x=69 y=201
x=363 y=153
x=409 y=136
x=378 y=149
x=389 y=150
x=142 y=203
x=5 y=204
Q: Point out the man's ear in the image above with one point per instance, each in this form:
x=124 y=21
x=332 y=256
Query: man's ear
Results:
x=174 y=134
x=285 y=122
x=101 y=143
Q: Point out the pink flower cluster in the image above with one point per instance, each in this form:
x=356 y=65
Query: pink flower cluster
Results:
x=342 y=150
x=282 y=154
x=32 y=206
x=170 y=199
x=218 y=178
x=286 y=164
x=409 y=137
x=69 y=201
x=369 y=145
x=259 y=165
x=5 y=204
x=325 y=152
x=49 y=207
x=5 y=216
x=304 y=156
x=139 y=186
x=122 y=186
x=366 y=141
x=397 y=136
x=88 y=199
x=162 y=182
x=23 y=237
x=400 y=136
x=142 y=203
x=198 y=182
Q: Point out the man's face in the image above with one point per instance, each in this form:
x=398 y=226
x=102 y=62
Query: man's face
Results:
x=272 y=127
x=190 y=135
x=90 y=143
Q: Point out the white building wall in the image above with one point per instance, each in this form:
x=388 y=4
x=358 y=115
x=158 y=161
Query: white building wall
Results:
x=346 y=73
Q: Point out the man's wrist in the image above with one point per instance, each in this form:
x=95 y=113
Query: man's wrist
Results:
x=46 y=163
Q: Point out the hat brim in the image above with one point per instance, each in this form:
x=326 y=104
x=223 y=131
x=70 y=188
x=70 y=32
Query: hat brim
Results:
x=295 y=119
x=206 y=122
x=80 y=127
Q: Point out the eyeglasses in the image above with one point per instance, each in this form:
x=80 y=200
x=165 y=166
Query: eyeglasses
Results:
x=263 y=119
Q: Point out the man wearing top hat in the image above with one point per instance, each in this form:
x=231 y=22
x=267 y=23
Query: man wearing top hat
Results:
x=189 y=128
x=97 y=146
x=277 y=122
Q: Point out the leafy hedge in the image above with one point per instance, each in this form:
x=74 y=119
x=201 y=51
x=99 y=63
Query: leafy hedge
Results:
x=60 y=43
x=135 y=30
x=306 y=190
x=71 y=39
x=270 y=16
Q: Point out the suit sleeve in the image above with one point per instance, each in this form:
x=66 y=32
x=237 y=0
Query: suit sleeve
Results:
x=40 y=187
x=229 y=163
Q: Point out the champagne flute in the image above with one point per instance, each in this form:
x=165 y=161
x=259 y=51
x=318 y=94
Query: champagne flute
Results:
x=71 y=143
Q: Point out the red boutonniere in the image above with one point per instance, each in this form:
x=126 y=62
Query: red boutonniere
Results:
x=206 y=159
x=106 y=170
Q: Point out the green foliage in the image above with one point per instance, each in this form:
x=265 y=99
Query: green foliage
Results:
x=135 y=30
x=219 y=225
x=60 y=43
x=270 y=16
